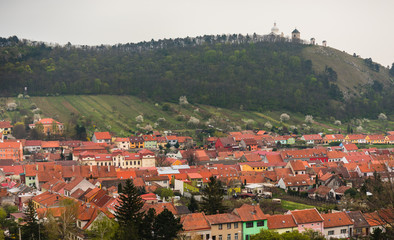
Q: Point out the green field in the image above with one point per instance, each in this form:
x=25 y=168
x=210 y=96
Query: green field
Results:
x=118 y=114
x=288 y=205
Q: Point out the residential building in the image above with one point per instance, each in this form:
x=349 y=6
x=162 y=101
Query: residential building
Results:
x=49 y=126
x=308 y=219
x=5 y=127
x=196 y=225
x=282 y=223
x=337 y=225
x=225 y=226
x=102 y=137
x=253 y=220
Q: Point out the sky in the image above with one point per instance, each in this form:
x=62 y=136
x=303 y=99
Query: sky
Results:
x=364 y=27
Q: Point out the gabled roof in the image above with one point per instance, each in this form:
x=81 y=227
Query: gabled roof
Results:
x=195 y=222
x=306 y=216
x=48 y=121
x=358 y=219
x=5 y=124
x=297 y=165
x=337 y=219
x=250 y=213
x=50 y=144
x=281 y=221
x=223 y=218
x=102 y=135
x=295 y=31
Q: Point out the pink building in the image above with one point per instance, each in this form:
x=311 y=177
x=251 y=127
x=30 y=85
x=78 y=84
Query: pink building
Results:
x=308 y=219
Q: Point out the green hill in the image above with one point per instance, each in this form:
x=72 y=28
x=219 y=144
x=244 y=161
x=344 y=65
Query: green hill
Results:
x=230 y=72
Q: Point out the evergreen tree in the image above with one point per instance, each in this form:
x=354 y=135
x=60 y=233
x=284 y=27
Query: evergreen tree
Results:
x=392 y=70
x=128 y=212
x=166 y=226
x=146 y=229
x=193 y=205
x=212 y=197
x=30 y=230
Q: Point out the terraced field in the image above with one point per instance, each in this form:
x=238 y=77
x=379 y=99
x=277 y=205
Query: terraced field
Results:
x=118 y=114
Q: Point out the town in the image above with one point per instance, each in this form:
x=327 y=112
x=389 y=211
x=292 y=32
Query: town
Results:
x=260 y=173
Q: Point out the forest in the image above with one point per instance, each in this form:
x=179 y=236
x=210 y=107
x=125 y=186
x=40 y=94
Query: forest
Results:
x=232 y=71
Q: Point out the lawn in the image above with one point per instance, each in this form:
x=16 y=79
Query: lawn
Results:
x=288 y=205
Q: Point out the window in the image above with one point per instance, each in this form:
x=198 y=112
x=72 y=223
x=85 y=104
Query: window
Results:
x=331 y=232
x=235 y=236
x=220 y=226
x=220 y=237
x=228 y=236
x=260 y=223
x=343 y=231
x=228 y=225
x=235 y=225
x=249 y=224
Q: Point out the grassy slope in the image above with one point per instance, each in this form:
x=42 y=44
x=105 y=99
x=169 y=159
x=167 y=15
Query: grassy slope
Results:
x=352 y=72
x=288 y=205
x=118 y=113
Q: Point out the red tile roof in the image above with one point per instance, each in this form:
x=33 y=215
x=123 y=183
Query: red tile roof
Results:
x=281 y=221
x=102 y=135
x=250 y=213
x=223 y=218
x=5 y=124
x=194 y=222
x=306 y=216
x=336 y=219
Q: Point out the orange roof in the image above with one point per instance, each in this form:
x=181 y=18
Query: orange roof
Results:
x=5 y=124
x=194 y=175
x=376 y=137
x=159 y=207
x=48 y=121
x=122 y=140
x=102 y=135
x=312 y=137
x=374 y=219
x=325 y=177
x=281 y=221
x=195 y=222
x=7 y=144
x=350 y=147
x=50 y=144
x=297 y=165
x=223 y=218
x=252 y=157
x=335 y=154
x=336 y=219
x=250 y=213
x=306 y=216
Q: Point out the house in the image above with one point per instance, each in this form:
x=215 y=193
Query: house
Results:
x=225 y=226
x=78 y=183
x=253 y=219
x=312 y=139
x=122 y=143
x=295 y=183
x=5 y=127
x=323 y=192
x=195 y=179
x=337 y=225
x=253 y=166
x=335 y=156
x=355 y=138
x=32 y=146
x=250 y=157
x=195 y=225
x=375 y=221
x=162 y=181
x=375 y=139
x=102 y=137
x=282 y=223
x=49 y=126
x=312 y=156
x=249 y=144
x=227 y=143
x=361 y=226
x=11 y=150
x=308 y=219
x=136 y=142
x=150 y=141
x=185 y=141
x=329 y=138
x=389 y=139
x=172 y=140
x=50 y=146
x=281 y=140
x=297 y=167
x=350 y=147
x=148 y=158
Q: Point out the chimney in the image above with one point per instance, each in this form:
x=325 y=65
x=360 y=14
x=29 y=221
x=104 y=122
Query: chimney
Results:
x=37 y=167
x=91 y=168
x=109 y=168
x=73 y=168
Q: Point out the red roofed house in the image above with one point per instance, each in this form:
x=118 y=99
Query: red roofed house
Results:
x=312 y=139
x=5 y=127
x=102 y=137
x=295 y=183
x=308 y=219
x=122 y=143
x=196 y=225
x=297 y=167
x=50 y=126
x=225 y=226
x=375 y=139
x=11 y=150
x=389 y=139
x=351 y=147
x=282 y=223
x=253 y=219
x=337 y=225
x=329 y=138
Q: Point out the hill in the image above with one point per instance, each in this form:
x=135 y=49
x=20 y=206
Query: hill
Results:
x=118 y=114
x=225 y=71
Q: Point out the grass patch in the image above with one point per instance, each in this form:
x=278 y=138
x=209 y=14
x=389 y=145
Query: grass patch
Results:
x=288 y=205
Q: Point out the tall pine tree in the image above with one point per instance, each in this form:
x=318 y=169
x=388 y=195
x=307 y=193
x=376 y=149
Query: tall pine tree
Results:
x=212 y=198
x=166 y=226
x=31 y=229
x=128 y=212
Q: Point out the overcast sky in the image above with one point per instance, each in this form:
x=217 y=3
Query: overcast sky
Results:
x=364 y=27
